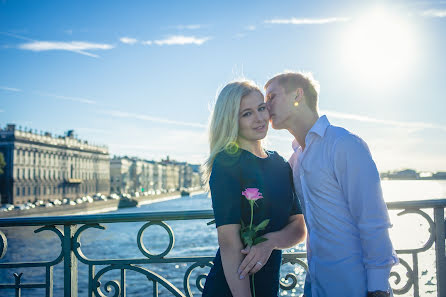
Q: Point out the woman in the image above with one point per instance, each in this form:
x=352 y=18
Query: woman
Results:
x=237 y=161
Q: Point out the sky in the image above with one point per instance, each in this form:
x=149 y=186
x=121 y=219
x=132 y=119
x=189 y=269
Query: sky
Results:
x=141 y=76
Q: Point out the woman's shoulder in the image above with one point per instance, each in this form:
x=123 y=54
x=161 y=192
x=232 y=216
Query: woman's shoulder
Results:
x=226 y=166
x=227 y=159
x=276 y=157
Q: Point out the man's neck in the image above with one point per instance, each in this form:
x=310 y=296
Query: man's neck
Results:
x=301 y=126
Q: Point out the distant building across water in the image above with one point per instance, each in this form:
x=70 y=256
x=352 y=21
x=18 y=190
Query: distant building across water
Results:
x=131 y=174
x=411 y=174
x=40 y=166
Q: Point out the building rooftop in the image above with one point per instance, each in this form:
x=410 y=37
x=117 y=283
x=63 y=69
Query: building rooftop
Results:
x=68 y=140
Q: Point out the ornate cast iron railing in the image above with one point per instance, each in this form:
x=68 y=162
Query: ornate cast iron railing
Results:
x=69 y=230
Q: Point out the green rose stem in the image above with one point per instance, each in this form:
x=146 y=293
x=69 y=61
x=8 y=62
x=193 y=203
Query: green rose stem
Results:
x=249 y=236
x=251 y=202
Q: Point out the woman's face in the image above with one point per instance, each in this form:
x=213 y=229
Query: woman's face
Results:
x=253 y=117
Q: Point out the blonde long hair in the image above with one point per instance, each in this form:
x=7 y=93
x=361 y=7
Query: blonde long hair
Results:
x=223 y=126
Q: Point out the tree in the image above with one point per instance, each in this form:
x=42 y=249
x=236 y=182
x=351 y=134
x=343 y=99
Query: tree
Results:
x=2 y=163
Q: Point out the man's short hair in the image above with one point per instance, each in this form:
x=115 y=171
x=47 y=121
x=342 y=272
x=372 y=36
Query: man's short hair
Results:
x=290 y=81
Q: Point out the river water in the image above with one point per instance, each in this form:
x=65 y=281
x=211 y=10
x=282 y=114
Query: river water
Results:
x=193 y=238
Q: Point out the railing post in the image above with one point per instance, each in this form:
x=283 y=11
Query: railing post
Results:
x=440 y=251
x=70 y=262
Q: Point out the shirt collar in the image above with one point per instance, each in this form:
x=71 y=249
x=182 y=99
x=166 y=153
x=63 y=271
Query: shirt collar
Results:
x=318 y=128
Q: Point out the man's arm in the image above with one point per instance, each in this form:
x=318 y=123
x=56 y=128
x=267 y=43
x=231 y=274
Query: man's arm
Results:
x=359 y=179
x=293 y=233
x=230 y=246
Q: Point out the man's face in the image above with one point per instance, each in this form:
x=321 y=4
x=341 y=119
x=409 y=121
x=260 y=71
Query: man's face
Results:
x=280 y=105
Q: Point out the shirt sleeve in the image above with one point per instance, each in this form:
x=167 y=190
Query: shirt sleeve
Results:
x=359 y=179
x=226 y=191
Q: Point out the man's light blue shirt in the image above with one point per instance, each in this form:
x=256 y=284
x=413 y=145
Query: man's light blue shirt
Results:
x=348 y=244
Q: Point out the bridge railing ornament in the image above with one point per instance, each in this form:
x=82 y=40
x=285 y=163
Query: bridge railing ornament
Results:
x=404 y=279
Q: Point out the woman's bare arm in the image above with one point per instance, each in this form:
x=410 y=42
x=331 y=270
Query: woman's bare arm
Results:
x=230 y=246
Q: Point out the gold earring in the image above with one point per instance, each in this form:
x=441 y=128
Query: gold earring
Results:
x=296 y=103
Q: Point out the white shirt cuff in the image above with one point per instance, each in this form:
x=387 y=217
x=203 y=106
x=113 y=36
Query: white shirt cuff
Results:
x=378 y=279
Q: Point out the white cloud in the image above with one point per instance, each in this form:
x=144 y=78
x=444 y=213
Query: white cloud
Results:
x=17 y=36
x=413 y=125
x=306 y=21
x=79 y=47
x=239 y=35
x=9 y=89
x=68 y=98
x=147 y=42
x=1 y=110
x=128 y=40
x=181 y=40
x=121 y=114
x=189 y=27
x=434 y=13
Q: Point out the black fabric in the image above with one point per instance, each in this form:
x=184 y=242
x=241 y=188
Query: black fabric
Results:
x=232 y=174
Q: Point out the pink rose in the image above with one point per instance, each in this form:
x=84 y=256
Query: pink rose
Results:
x=252 y=194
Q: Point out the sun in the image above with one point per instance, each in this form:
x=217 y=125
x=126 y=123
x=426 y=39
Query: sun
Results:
x=378 y=48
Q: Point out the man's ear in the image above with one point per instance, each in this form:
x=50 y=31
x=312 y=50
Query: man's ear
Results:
x=299 y=95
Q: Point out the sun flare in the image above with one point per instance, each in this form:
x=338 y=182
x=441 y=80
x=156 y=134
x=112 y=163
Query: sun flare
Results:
x=378 y=47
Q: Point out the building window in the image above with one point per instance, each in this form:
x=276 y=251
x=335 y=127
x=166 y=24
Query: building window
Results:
x=29 y=191
x=18 y=191
x=23 y=191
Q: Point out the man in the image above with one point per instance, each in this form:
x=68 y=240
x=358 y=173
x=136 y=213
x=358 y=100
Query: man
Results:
x=348 y=246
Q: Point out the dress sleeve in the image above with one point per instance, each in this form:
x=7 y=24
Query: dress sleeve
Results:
x=295 y=206
x=226 y=191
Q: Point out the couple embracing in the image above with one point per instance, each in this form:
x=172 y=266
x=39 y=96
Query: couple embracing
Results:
x=328 y=193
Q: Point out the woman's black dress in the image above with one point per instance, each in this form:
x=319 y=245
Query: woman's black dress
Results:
x=232 y=174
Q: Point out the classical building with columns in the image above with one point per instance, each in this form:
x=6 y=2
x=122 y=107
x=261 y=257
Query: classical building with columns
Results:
x=45 y=167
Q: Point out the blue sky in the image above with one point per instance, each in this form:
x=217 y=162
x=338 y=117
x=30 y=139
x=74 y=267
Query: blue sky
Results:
x=141 y=76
